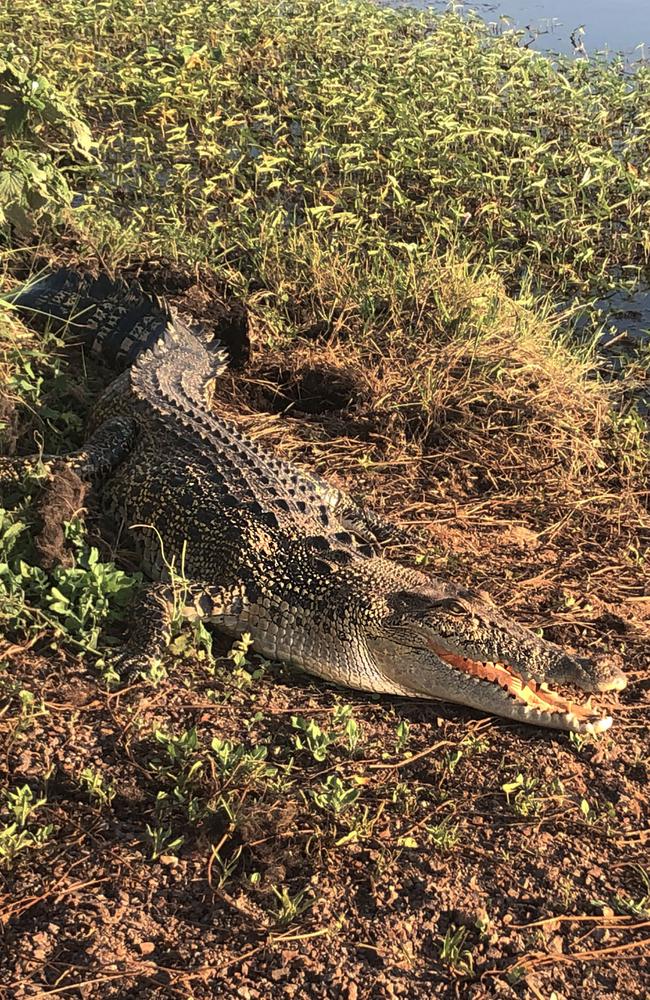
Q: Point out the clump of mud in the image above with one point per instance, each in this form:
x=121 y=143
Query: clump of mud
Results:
x=63 y=497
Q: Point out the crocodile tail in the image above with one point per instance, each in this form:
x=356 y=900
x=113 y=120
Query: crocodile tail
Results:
x=115 y=320
x=179 y=370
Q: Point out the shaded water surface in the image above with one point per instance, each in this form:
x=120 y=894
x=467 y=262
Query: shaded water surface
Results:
x=581 y=27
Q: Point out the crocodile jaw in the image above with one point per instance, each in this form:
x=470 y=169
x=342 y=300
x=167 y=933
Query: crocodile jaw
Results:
x=430 y=666
x=442 y=642
x=492 y=688
x=525 y=700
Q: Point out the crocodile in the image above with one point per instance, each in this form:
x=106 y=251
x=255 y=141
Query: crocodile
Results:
x=267 y=548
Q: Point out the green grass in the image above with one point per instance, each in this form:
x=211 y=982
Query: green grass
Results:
x=72 y=602
x=340 y=168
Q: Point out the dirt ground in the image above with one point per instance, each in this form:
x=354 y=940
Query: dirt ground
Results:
x=438 y=881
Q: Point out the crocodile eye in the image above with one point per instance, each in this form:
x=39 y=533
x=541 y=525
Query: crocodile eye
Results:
x=455 y=605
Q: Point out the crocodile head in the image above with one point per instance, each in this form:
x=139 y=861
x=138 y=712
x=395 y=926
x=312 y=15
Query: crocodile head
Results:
x=440 y=642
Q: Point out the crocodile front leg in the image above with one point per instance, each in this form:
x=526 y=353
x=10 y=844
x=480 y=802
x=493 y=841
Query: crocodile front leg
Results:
x=156 y=609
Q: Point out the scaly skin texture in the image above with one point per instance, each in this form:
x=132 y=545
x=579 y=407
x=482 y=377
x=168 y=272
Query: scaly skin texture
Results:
x=271 y=550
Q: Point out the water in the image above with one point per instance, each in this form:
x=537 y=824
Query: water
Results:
x=609 y=26
x=628 y=318
x=625 y=340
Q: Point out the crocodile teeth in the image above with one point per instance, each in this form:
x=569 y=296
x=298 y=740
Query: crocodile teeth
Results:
x=538 y=699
